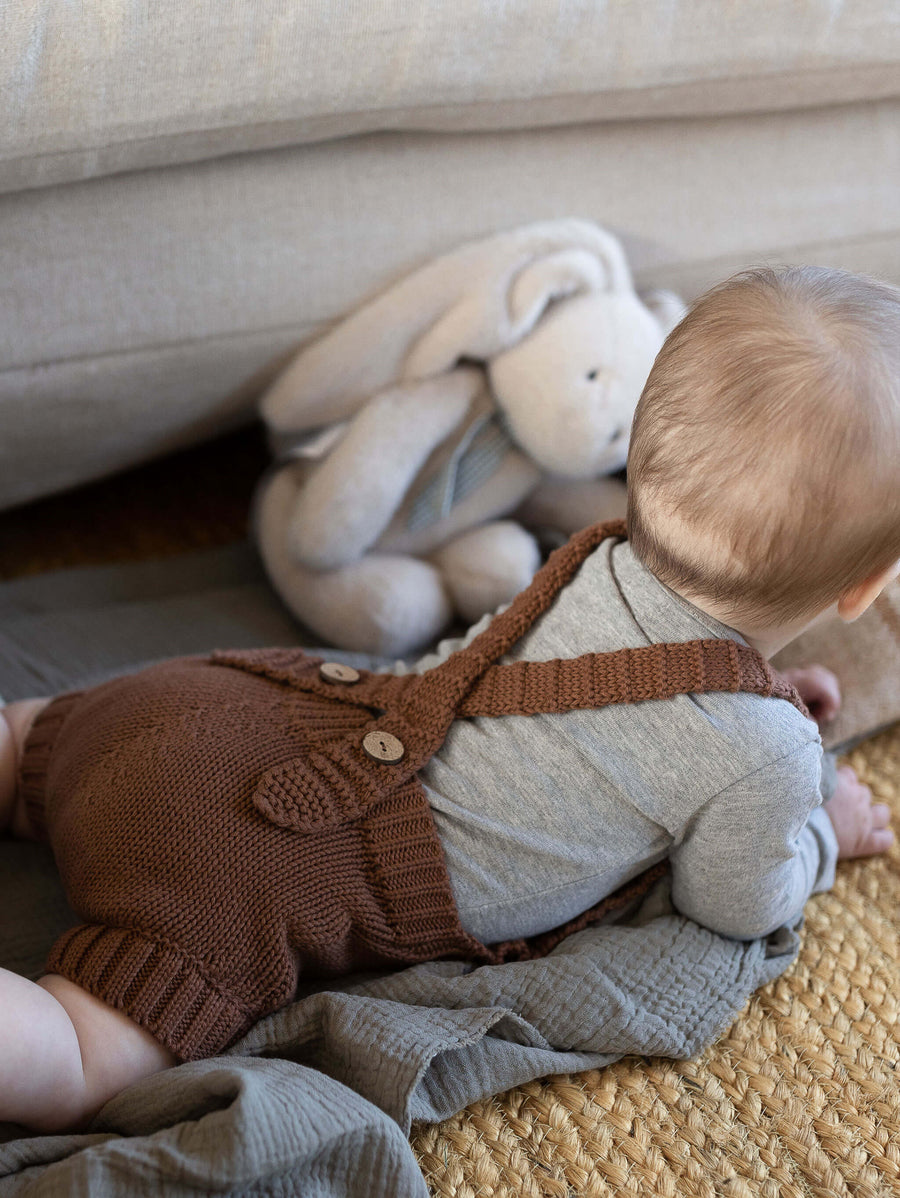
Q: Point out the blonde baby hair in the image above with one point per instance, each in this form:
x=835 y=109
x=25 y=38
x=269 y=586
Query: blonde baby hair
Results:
x=764 y=466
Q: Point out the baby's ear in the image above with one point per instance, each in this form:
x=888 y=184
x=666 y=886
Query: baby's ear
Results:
x=859 y=598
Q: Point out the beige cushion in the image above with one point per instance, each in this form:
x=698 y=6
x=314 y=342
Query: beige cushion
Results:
x=112 y=86
x=140 y=312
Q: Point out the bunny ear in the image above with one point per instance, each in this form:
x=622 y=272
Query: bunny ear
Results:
x=472 y=303
x=511 y=280
x=570 y=272
x=595 y=263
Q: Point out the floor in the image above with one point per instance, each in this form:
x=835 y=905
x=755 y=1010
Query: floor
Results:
x=196 y=499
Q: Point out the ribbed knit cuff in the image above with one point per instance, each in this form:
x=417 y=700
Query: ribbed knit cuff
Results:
x=32 y=770
x=154 y=985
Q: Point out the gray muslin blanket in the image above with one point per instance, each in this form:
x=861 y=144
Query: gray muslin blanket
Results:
x=317 y=1100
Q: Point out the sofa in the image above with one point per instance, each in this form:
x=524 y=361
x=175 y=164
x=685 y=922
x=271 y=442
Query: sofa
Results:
x=188 y=192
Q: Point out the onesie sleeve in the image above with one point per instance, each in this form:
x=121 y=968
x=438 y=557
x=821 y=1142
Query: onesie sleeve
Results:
x=753 y=854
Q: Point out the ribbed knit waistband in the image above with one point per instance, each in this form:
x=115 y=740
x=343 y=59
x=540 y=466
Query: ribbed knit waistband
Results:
x=32 y=771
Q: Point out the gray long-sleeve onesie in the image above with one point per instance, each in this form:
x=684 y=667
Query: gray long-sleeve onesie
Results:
x=542 y=816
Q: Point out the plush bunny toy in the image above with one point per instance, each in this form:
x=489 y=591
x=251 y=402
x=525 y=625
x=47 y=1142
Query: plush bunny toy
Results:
x=499 y=380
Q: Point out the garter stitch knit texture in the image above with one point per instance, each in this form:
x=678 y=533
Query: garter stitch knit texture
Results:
x=221 y=831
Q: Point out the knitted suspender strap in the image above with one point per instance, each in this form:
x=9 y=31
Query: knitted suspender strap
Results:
x=430 y=704
x=339 y=781
x=658 y=671
x=468 y=684
x=434 y=696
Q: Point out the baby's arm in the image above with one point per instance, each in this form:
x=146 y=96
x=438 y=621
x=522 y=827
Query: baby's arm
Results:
x=752 y=855
x=860 y=825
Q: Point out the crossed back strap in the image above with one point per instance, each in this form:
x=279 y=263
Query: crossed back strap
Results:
x=340 y=780
x=624 y=676
x=469 y=683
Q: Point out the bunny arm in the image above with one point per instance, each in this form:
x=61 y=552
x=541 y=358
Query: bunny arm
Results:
x=386 y=604
x=349 y=499
x=666 y=306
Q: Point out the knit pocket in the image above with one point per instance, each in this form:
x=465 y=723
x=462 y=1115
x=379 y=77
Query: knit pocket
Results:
x=325 y=788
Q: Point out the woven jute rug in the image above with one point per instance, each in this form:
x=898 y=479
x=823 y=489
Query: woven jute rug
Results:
x=800 y=1097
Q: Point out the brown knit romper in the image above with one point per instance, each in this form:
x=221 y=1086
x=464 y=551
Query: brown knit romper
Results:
x=221 y=829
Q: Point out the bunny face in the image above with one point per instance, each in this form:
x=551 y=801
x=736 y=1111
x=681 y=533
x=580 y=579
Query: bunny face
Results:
x=569 y=389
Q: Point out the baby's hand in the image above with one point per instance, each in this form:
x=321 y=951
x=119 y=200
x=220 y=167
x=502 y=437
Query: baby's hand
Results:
x=860 y=825
x=819 y=689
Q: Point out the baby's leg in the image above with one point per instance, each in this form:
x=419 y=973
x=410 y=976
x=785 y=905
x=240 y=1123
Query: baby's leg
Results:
x=64 y=1053
x=15 y=721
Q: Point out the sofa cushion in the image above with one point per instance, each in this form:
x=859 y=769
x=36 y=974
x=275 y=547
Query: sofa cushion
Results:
x=95 y=89
x=142 y=312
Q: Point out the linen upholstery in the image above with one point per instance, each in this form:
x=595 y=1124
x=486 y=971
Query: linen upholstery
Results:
x=121 y=87
x=154 y=271
x=143 y=312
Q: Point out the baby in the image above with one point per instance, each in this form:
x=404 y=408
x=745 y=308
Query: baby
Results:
x=763 y=495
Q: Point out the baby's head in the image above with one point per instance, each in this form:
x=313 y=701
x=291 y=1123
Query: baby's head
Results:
x=764 y=467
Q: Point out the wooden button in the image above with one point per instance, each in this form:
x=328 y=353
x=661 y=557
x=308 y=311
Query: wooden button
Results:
x=334 y=671
x=383 y=746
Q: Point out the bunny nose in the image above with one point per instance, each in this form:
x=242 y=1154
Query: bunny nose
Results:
x=617 y=433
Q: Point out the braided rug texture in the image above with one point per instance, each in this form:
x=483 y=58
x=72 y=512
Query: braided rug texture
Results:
x=800 y=1097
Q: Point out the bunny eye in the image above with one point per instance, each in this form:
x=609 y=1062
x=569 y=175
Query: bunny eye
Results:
x=591 y=375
